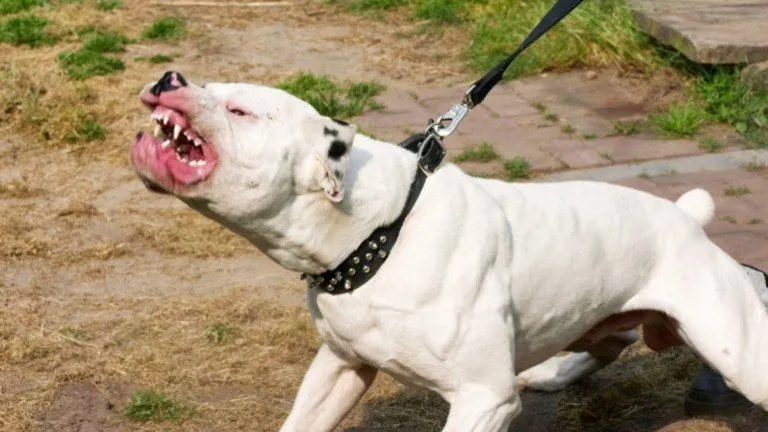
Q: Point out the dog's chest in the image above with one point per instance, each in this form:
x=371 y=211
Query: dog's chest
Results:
x=412 y=347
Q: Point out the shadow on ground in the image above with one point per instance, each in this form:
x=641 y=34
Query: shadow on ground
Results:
x=641 y=393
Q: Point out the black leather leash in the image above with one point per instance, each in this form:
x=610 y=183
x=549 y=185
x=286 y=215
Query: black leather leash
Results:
x=475 y=95
x=362 y=264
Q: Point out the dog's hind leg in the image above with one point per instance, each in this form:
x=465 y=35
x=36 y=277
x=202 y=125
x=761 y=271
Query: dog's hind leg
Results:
x=718 y=313
x=557 y=373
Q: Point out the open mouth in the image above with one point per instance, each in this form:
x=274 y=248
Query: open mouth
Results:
x=175 y=155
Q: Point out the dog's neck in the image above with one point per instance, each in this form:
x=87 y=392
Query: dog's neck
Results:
x=310 y=234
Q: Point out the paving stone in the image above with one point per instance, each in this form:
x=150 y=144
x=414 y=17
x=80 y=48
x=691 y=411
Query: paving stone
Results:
x=622 y=148
x=398 y=102
x=708 y=31
x=582 y=157
x=507 y=103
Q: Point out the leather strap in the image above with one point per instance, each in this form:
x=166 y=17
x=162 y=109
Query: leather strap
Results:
x=484 y=85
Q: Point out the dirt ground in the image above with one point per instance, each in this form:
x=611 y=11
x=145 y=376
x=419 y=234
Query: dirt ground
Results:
x=108 y=288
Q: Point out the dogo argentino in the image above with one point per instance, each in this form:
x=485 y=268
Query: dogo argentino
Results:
x=486 y=280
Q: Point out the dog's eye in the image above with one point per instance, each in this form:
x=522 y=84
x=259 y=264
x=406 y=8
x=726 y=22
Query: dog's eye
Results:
x=237 y=112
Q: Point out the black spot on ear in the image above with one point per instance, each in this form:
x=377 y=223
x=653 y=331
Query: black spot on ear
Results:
x=330 y=132
x=341 y=122
x=339 y=175
x=337 y=149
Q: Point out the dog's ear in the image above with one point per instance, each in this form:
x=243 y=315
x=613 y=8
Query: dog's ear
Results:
x=331 y=141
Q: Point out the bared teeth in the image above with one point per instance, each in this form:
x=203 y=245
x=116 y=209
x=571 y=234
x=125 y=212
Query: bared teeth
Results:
x=176 y=132
x=157 y=131
x=166 y=117
x=198 y=143
x=166 y=143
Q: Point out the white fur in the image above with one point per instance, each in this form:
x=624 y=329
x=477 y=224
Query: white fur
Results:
x=488 y=278
x=699 y=204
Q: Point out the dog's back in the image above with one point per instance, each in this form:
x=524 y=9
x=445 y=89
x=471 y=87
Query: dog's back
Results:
x=584 y=248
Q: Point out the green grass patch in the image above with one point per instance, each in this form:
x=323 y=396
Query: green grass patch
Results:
x=736 y=191
x=568 y=128
x=721 y=97
x=680 y=120
x=108 y=5
x=151 y=405
x=13 y=6
x=517 y=168
x=626 y=127
x=80 y=65
x=551 y=116
x=105 y=42
x=220 y=333
x=599 y=33
x=589 y=136
x=443 y=11
x=725 y=99
x=482 y=153
x=160 y=58
x=710 y=144
x=87 y=130
x=26 y=30
x=330 y=98
x=167 y=28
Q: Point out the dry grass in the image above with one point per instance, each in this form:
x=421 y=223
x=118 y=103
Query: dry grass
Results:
x=165 y=350
x=186 y=233
x=19 y=189
x=55 y=337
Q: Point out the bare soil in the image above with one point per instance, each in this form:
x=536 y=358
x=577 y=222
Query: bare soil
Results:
x=107 y=288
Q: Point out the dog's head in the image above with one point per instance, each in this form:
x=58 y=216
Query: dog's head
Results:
x=238 y=149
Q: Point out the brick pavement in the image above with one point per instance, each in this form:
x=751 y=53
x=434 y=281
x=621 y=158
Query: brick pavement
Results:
x=516 y=120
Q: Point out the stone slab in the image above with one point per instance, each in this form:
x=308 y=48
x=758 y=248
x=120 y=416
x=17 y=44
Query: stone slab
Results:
x=708 y=31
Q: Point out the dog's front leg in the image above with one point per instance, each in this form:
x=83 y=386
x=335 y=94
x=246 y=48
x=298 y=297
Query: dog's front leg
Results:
x=483 y=409
x=329 y=390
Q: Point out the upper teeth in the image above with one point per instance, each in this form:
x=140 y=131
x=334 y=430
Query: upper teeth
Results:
x=196 y=140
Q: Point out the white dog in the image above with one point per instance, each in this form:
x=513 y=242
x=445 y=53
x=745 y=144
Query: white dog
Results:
x=487 y=278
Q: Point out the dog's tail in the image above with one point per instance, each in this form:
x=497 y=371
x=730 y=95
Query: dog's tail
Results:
x=699 y=204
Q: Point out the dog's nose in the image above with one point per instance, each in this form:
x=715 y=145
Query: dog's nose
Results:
x=170 y=81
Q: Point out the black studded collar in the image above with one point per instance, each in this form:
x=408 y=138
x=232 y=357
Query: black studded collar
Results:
x=362 y=264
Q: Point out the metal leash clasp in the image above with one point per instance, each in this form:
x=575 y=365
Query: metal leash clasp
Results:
x=448 y=122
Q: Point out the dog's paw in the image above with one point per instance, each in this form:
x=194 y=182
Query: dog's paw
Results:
x=544 y=376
